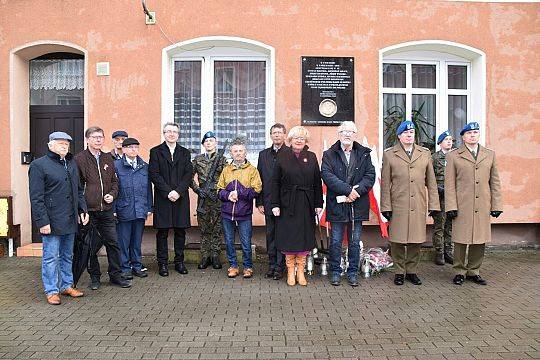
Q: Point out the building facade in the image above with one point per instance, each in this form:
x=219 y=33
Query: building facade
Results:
x=236 y=68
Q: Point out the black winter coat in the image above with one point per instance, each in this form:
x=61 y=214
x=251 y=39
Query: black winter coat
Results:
x=56 y=195
x=170 y=174
x=340 y=179
x=297 y=191
x=265 y=166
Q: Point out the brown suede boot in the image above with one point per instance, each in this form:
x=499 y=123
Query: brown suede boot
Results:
x=289 y=261
x=300 y=265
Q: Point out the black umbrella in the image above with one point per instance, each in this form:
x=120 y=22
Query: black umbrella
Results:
x=85 y=241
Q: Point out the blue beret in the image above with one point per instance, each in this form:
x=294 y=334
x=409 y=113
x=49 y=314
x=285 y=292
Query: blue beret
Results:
x=59 y=135
x=209 y=134
x=406 y=125
x=468 y=127
x=119 y=133
x=443 y=136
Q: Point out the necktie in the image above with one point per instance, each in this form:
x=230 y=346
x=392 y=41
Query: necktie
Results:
x=474 y=154
x=134 y=164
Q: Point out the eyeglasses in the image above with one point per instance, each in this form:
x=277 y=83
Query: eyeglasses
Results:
x=299 y=138
x=347 y=132
x=96 y=137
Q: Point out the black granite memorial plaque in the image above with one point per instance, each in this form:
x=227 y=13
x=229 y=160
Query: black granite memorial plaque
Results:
x=327 y=90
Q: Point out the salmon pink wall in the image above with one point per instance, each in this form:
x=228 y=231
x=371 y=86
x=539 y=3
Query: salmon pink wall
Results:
x=130 y=98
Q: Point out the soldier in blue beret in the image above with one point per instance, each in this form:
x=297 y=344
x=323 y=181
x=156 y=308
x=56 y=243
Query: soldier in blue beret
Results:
x=473 y=170
x=442 y=227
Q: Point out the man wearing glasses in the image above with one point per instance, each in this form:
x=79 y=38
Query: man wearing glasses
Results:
x=170 y=171
x=349 y=174
x=97 y=176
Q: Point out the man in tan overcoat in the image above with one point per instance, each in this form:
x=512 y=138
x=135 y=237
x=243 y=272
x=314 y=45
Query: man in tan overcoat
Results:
x=472 y=192
x=406 y=172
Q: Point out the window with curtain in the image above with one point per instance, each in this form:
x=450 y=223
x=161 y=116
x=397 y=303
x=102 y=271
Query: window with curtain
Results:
x=56 y=82
x=187 y=103
x=240 y=102
x=238 y=97
x=434 y=94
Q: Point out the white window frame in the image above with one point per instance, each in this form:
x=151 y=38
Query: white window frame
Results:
x=445 y=53
x=209 y=50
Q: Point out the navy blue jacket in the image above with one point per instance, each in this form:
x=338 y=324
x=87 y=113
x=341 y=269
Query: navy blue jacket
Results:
x=340 y=179
x=134 y=190
x=56 y=195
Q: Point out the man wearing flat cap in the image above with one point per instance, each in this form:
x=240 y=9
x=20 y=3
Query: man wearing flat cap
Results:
x=118 y=138
x=132 y=207
x=442 y=227
x=472 y=192
x=58 y=204
x=407 y=171
x=210 y=218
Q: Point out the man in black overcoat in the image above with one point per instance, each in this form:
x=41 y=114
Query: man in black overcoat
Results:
x=265 y=166
x=170 y=171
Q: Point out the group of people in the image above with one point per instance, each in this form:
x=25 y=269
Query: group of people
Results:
x=116 y=192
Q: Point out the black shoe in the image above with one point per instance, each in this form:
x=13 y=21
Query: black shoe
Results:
x=448 y=258
x=269 y=274
x=399 y=279
x=163 y=270
x=119 y=281
x=181 y=268
x=139 y=273
x=459 y=280
x=95 y=284
x=414 y=279
x=205 y=262
x=439 y=258
x=335 y=280
x=477 y=279
x=144 y=268
x=353 y=280
x=278 y=274
x=127 y=276
x=216 y=264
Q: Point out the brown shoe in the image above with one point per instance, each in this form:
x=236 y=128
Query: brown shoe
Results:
x=72 y=292
x=248 y=273
x=232 y=272
x=53 y=299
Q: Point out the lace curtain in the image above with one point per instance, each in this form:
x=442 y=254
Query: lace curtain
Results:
x=58 y=74
x=240 y=102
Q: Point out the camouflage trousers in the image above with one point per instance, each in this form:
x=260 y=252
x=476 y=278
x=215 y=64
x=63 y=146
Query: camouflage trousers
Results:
x=210 y=226
x=442 y=231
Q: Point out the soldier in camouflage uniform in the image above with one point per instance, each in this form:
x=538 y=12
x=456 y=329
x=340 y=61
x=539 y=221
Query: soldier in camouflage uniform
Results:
x=442 y=234
x=210 y=221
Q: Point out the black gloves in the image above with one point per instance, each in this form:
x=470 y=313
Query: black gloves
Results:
x=433 y=213
x=495 y=214
x=387 y=215
x=202 y=194
x=452 y=214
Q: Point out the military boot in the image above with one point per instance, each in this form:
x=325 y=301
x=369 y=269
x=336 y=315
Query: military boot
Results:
x=439 y=257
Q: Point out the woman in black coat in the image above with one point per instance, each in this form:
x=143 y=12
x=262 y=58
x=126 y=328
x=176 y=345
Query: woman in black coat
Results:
x=296 y=197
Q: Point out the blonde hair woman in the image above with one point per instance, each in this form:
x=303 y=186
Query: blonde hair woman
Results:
x=296 y=197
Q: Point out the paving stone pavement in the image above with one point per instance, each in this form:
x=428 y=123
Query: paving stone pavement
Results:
x=204 y=315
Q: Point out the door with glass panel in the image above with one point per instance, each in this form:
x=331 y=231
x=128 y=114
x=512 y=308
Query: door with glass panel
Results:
x=226 y=96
